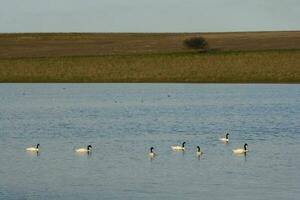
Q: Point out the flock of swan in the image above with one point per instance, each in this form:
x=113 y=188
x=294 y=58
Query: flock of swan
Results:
x=225 y=139
x=152 y=154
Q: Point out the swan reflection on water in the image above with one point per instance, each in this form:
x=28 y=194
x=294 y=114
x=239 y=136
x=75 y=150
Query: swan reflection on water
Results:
x=33 y=153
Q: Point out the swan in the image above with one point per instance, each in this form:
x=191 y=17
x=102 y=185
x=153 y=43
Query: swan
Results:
x=33 y=148
x=199 y=152
x=151 y=153
x=178 y=148
x=226 y=138
x=238 y=151
x=84 y=150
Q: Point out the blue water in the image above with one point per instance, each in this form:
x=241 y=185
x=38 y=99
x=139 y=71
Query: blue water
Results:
x=122 y=121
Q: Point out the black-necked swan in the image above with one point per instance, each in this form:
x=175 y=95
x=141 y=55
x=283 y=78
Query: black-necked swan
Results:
x=241 y=150
x=33 y=148
x=84 y=150
x=226 y=138
x=199 y=152
x=151 y=153
x=179 y=148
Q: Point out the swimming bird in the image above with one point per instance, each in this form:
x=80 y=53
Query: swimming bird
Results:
x=151 y=153
x=178 y=148
x=238 y=151
x=84 y=150
x=36 y=149
x=199 y=152
x=226 y=138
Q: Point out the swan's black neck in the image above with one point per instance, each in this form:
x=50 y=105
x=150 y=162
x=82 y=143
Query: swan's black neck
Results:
x=37 y=146
x=151 y=150
x=227 y=135
x=183 y=144
x=198 y=148
x=88 y=147
x=245 y=146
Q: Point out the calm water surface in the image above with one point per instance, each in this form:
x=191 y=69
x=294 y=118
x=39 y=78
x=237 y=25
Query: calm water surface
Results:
x=122 y=121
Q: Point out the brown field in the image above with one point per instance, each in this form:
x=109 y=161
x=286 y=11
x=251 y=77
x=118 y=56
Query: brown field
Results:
x=256 y=57
x=92 y=44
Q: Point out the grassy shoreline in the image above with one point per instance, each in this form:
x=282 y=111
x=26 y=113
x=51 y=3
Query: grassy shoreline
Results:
x=268 y=66
x=237 y=57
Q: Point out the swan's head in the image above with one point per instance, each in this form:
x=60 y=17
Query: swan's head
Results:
x=183 y=144
x=245 y=146
x=151 y=149
x=227 y=134
x=198 y=148
x=89 y=147
x=37 y=146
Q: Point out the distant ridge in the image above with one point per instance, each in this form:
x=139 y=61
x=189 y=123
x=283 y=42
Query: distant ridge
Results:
x=19 y=45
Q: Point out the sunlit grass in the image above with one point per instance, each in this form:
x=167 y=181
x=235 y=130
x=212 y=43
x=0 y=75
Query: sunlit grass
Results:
x=278 y=66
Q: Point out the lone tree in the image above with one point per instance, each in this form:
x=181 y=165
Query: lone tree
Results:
x=197 y=43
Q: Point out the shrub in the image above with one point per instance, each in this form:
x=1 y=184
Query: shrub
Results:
x=198 y=43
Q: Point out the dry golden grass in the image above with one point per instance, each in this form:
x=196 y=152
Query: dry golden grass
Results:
x=280 y=66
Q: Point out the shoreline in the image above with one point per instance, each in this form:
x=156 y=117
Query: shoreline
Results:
x=276 y=66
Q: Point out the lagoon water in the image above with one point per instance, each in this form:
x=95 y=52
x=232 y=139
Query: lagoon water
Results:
x=122 y=121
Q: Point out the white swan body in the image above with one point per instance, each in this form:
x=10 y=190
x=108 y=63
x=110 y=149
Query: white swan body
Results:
x=238 y=151
x=151 y=153
x=241 y=150
x=178 y=148
x=84 y=150
x=225 y=139
x=36 y=149
x=199 y=152
x=32 y=149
